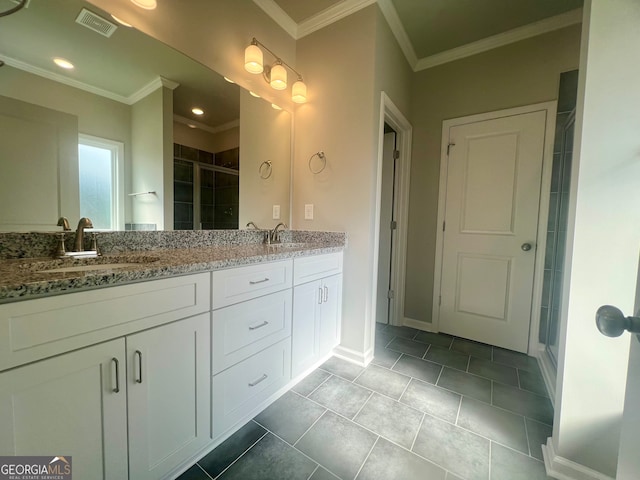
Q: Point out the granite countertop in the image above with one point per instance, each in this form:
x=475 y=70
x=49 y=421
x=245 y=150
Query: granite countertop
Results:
x=23 y=279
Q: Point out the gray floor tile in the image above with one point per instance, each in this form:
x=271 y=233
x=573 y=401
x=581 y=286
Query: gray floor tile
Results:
x=515 y=359
x=538 y=434
x=389 y=462
x=466 y=384
x=383 y=338
x=342 y=368
x=417 y=368
x=404 y=332
x=494 y=371
x=385 y=357
x=509 y=465
x=407 y=346
x=337 y=444
x=497 y=424
x=533 y=382
x=290 y=416
x=440 y=339
x=322 y=474
x=341 y=396
x=391 y=419
x=383 y=381
x=451 y=476
x=433 y=400
x=525 y=403
x=380 y=326
x=447 y=357
x=194 y=473
x=459 y=451
x=474 y=349
x=309 y=383
x=234 y=446
x=271 y=458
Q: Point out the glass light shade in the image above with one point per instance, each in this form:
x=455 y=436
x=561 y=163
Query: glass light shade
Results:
x=146 y=4
x=299 y=92
x=253 y=59
x=278 y=77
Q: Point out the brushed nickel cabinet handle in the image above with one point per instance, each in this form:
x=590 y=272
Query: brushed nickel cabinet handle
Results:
x=319 y=295
x=256 y=382
x=255 y=327
x=138 y=353
x=326 y=294
x=255 y=282
x=117 y=364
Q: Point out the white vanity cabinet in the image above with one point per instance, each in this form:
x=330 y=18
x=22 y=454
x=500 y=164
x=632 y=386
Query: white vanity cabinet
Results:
x=317 y=307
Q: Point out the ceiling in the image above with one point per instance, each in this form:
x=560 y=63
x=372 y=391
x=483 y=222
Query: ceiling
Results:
x=431 y=32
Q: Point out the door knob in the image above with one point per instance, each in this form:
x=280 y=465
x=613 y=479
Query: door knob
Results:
x=526 y=247
x=612 y=322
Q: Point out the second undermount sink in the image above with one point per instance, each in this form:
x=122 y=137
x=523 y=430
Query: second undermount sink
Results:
x=286 y=245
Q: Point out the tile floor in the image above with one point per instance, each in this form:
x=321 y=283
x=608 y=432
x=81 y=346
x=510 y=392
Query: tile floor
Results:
x=430 y=406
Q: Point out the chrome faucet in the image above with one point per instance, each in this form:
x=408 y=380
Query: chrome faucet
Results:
x=82 y=224
x=274 y=235
x=251 y=224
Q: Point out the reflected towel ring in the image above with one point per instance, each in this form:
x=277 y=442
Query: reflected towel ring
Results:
x=265 y=169
x=322 y=157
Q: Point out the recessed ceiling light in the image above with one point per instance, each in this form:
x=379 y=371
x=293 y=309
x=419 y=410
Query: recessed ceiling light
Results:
x=229 y=80
x=197 y=111
x=191 y=125
x=121 y=22
x=254 y=94
x=146 y=4
x=62 y=63
x=276 y=107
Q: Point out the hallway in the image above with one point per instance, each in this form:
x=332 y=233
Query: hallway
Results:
x=430 y=406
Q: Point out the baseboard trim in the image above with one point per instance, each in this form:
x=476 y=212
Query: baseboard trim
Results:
x=417 y=324
x=353 y=356
x=564 y=469
x=548 y=372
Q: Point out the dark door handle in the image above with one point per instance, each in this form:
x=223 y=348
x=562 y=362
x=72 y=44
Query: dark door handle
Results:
x=612 y=322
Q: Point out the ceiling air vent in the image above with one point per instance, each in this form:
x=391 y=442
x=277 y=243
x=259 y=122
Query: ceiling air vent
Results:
x=96 y=23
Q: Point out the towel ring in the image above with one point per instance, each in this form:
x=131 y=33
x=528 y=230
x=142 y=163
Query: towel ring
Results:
x=265 y=169
x=322 y=157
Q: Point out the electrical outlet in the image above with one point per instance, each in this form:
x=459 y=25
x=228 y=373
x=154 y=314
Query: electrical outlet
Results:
x=276 y=212
x=308 y=211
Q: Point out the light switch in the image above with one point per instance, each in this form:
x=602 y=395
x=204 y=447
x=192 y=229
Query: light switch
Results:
x=308 y=211
x=276 y=212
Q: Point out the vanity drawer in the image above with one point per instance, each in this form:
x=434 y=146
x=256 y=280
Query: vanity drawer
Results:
x=237 y=391
x=244 y=283
x=308 y=269
x=241 y=330
x=34 y=329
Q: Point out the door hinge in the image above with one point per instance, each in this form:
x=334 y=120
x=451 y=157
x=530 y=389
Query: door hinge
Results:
x=394 y=225
x=390 y=294
x=449 y=147
x=396 y=154
x=444 y=225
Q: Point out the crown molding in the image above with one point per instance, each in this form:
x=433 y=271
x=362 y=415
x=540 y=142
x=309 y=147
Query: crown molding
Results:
x=547 y=25
x=206 y=128
x=279 y=16
x=391 y=14
x=150 y=87
x=331 y=15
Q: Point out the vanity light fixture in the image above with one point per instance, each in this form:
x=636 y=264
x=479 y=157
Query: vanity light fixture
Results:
x=63 y=63
x=276 y=74
x=197 y=111
x=146 y=4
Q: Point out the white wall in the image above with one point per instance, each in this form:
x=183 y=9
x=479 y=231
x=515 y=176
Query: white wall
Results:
x=604 y=237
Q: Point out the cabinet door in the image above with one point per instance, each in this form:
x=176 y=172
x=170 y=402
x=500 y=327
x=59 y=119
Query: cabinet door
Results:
x=68 y=406
x=305 y=327
x=168 y=390
x=330 y=313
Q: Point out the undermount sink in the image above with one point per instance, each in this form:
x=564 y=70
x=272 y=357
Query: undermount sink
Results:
x=288 y=245
x=88 y=268
x=79 y=264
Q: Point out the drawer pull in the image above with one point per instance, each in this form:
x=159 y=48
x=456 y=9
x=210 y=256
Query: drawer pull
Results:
x=255 y=282
x=256 y=382
x=139 y=355
x=117 y=364
x=255 y=327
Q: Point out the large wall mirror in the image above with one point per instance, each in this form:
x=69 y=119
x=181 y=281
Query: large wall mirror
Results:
x=116 y=137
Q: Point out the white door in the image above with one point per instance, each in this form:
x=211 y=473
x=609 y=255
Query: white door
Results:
x=168 y=391
x=383 y=305
x=491 y=219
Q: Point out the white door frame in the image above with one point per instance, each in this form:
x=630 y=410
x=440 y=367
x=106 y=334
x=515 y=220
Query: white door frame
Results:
x=392 y=115
x=545 y=188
